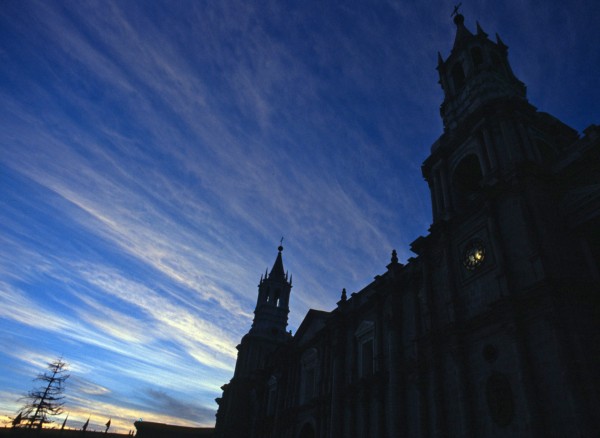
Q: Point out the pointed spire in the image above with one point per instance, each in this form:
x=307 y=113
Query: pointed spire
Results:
x=500 y=42
x=277 y=272
x=290 y=279
x=272 y=304
x=480 y=30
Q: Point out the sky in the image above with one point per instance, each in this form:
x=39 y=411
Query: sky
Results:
x=153 y=154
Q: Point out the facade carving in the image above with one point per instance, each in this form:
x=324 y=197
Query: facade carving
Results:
x=492 y=329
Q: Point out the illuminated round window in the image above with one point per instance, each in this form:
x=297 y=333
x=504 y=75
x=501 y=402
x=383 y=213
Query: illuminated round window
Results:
x=474 y=255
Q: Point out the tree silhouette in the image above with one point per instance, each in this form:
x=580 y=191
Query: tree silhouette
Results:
x=47 y=400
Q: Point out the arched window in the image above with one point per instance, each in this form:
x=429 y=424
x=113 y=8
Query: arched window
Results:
x=365 y=337
x=466 y=180
x=277 y=296
x=308 y=378
x=477 y=56
x=458 y=76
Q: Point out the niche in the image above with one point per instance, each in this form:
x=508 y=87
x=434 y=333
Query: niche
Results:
x=476 y=56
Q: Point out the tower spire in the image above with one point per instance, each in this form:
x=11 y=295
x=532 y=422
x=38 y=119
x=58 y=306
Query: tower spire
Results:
x=277 y=271
x=480 y=30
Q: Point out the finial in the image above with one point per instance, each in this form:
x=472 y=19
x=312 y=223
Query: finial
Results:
x=280 y=248
x=344 y=296
x=500 y=42
x=291 y=279
x=480 y=30
x=394 y=256
x=458 y=18
x=440 y=59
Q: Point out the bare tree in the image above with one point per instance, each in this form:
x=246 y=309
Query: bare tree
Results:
x=47 y=400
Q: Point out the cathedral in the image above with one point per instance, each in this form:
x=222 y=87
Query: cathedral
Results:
x=492 y=329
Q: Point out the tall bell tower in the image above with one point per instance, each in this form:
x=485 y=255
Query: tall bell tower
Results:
x=512 y=253
x=272 y=305
x=493 y=136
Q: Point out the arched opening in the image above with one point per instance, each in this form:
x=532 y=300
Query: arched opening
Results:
x=468 y=175
x=271 y=395
x=497 y=62
x=307 y=431
x=277 y=296
x=308 y=375
x=477 y=56
x=467 y=179
x=458 y=76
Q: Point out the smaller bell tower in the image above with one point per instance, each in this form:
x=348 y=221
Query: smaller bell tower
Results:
x=268 y=332
x=272 y=306
x=270 y=320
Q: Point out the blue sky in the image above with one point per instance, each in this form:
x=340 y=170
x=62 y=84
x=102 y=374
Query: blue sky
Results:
x=152 y=154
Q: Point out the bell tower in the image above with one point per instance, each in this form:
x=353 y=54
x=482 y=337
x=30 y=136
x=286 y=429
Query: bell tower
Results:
x=270 y=320
x=272 y=305
x=509 y=264
x=268 y=332
x=492 y=135
x=476 y=72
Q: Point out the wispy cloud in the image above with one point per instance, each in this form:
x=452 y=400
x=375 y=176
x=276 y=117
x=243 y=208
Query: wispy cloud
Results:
x=149 y=166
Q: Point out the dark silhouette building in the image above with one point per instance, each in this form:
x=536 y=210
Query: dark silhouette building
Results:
x=491 y=330
x=149 y=429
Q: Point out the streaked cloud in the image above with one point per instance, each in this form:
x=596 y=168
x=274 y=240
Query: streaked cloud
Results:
x=152 y=155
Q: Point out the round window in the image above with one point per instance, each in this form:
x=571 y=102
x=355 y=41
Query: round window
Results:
x=474 y=254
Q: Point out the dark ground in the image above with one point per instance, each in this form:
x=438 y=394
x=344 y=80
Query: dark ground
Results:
x=67 y=433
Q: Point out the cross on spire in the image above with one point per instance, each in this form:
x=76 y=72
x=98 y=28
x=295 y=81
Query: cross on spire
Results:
x=455 y=12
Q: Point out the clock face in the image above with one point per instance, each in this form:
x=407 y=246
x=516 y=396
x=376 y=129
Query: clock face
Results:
x=474 y=255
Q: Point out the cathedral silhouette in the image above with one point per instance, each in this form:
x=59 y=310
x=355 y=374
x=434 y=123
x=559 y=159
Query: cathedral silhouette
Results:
x=492 y=329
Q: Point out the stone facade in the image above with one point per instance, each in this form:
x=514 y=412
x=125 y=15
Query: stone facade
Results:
x=491 y=330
